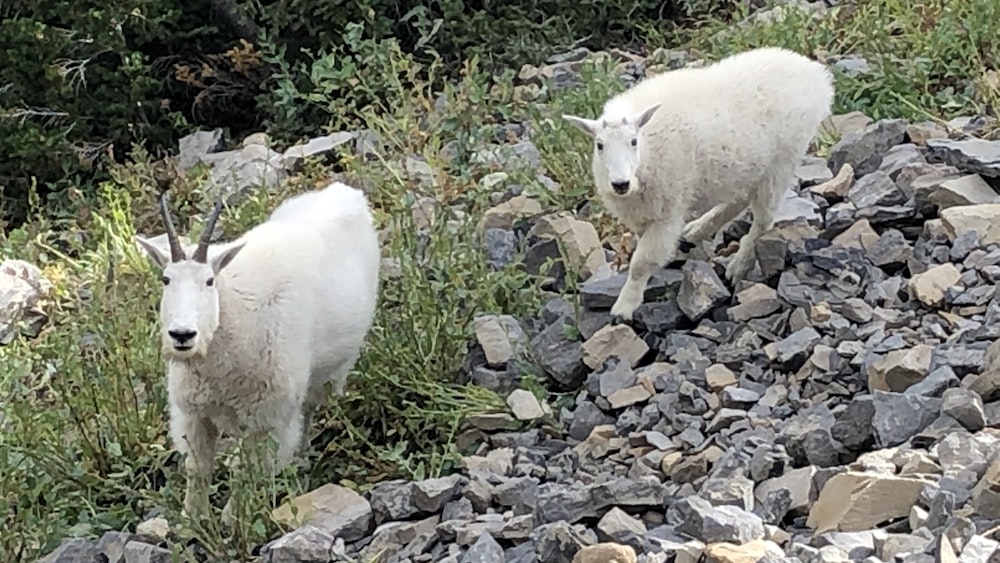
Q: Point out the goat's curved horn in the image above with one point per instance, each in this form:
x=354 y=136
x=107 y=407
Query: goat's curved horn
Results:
x=176 y=252
x=201 y=253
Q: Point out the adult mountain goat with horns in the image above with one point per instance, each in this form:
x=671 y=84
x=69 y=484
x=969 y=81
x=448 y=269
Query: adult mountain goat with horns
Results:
x=252 y=329
x=708 y=143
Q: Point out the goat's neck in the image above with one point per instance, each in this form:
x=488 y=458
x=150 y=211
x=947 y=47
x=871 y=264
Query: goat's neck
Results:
x=231 y=306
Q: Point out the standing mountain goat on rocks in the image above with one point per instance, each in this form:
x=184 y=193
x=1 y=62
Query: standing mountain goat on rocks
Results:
x=253 y=329
x=704 y=142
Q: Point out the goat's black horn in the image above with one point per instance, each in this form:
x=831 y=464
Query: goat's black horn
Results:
x=201 y=253
x=176 y=252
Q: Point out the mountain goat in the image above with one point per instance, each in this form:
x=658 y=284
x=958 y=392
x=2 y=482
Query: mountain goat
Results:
x=252 y=329
x=704 y=142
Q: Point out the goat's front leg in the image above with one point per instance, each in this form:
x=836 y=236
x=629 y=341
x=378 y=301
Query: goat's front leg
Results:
x=657 y=246
x=200 y=437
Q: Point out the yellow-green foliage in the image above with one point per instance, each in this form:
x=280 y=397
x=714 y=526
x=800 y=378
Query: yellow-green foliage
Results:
x=83 y=446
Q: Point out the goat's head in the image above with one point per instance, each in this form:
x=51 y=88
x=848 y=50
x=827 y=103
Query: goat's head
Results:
x=616 y=148
x=189 y=306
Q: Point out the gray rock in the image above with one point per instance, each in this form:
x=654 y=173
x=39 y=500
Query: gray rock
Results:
x=792 y=351
x=852 y=65
x=891 y=250
x=112 y=545
x=813 y=170
x=557 y=542
x=709 y=524
x=864 y=150
x=965 y=406
x=393 y=500
x=141 y=552
x=560 y=356
x=319 y=145
x=900 y=157
x=935 y=383
x=618 y=526
x=876 y=190
x=430 y=495
x=701 y=289
x=564 y=502
x=236 y=172
x=501 y=247
x=485 y=550
x=899 y=416
x=601 y=292
x=74 y=550
x=660 y=317
x=22 y=287
x=304 y=545
x=634 y=492
x=972 y=156
x=522 y=154
x=196 y=145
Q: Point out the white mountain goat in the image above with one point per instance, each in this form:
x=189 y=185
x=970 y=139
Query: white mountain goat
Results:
x=252 y=329
x=706 y=142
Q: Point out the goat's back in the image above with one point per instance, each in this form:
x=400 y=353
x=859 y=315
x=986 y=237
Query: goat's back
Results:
x=735 y=124
x=313 y=267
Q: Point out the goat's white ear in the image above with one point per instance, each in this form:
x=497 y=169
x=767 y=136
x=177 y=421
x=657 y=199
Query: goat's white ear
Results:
x=153 y=251
x=588 y=126
x=646 y=115
x=222 y=259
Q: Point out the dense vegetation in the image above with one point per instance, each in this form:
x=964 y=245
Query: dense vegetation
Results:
x=80 y=81
x=92 y=94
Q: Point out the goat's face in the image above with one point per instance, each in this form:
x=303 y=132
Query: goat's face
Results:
x=189 y=305
x=189 y=308
x=617 y=144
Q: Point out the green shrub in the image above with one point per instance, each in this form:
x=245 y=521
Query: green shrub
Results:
x=80 y=81
x=77 y=87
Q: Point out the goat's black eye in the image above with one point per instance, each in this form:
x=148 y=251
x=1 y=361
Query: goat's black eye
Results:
x=600 y=146
x=635 y=142
x=210 y=282
x=165 y=280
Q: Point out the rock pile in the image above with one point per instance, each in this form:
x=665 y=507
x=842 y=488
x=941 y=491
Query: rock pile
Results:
x=842 y=404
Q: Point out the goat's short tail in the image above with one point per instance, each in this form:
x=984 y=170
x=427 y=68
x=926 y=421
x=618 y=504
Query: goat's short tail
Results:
x=336 y=203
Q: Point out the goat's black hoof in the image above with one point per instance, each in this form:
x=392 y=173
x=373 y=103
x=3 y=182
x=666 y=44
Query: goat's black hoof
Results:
x=619 y=320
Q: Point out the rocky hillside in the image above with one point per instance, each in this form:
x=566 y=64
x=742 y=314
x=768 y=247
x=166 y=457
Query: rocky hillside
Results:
x=841 y=405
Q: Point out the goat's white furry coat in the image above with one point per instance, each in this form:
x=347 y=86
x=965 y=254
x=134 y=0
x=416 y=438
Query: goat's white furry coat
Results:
x=713 y=141
x=295 y=306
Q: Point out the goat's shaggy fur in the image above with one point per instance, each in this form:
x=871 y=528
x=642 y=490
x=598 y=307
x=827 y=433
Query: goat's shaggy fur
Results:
x=708 y=143
x=289 y=309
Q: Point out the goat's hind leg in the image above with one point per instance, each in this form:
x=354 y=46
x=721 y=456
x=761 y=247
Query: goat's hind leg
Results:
x=711 y=221
x=764 y=202
x=337 y=376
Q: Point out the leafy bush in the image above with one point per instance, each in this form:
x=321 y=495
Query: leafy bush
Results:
x=76 y=87
x=80 y=81
x=499 y=33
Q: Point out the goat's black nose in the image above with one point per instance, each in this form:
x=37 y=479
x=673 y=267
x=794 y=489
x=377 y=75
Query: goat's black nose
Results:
x=182 y=336
x=620 y=187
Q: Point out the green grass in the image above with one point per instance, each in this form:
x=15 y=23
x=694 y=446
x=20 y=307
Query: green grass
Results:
x=82 y=443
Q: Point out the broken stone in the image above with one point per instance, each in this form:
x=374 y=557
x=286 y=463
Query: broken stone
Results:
x=853 y=501
x=930 y=286
x=613 y=340
x=701 y=289
x=336 y=510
